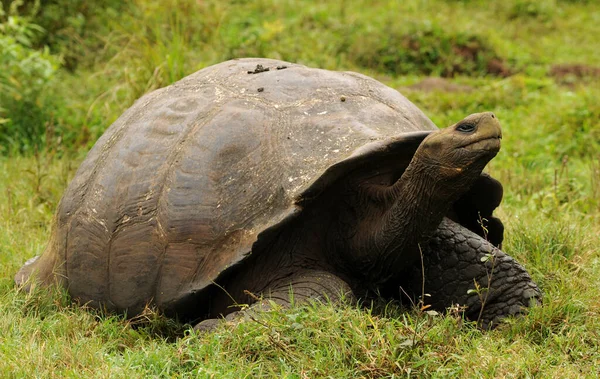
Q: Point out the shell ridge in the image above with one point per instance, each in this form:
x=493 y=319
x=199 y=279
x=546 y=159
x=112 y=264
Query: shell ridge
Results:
x=100 y=161
x=194 y=126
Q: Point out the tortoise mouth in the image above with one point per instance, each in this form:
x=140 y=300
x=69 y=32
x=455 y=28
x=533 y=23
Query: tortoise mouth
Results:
x=488 y=143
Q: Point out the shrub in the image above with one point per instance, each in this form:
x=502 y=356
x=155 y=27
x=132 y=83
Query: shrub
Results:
x=540 y=9
x=73 y=27
x=431 y=51
x=24 y=76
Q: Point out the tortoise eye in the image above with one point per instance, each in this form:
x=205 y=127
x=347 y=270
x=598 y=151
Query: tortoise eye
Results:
x=466 y=128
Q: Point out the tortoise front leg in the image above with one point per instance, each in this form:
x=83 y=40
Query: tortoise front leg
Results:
x=454 y=259
x=307 y=285
x=297 y=289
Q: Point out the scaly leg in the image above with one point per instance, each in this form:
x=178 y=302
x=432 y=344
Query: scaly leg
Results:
x=298 y=289
x=454 y=260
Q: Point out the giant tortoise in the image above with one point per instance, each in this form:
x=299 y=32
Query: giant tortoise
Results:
x=257 y=177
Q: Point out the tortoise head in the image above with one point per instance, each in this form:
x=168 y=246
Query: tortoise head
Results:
x=445 y=165
x=464 y=147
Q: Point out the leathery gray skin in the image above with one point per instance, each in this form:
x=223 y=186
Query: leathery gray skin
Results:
x=454 y=259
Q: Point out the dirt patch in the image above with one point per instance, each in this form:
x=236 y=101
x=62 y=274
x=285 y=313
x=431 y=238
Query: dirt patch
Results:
x=570 y=74
x=471 y=52
x=577 y=70
x=435 y=84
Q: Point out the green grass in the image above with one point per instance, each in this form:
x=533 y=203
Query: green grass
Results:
x=549 y=165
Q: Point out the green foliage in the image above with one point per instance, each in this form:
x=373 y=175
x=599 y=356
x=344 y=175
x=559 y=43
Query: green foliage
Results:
x=26 y=73
x=430 y=50
x=541 y=9
x=71 y=26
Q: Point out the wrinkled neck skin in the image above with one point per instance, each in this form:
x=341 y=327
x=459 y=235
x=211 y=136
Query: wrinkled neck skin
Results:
x=392 y=220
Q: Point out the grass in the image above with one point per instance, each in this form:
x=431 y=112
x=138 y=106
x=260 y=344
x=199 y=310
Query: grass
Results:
x=549 y=165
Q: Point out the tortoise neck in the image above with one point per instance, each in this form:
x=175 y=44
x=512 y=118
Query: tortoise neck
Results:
x=418 y=202
x=410 y=211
